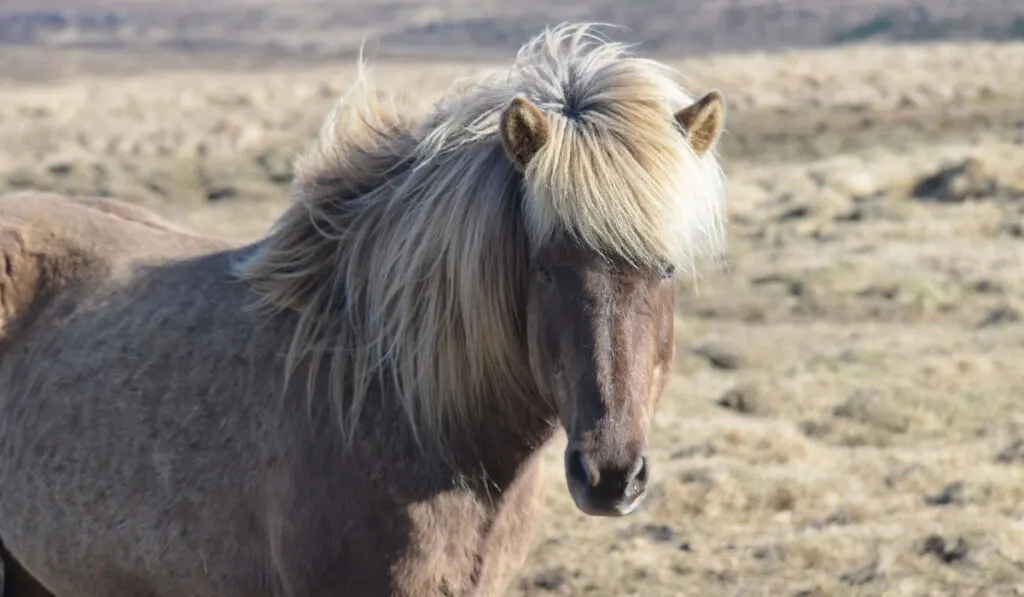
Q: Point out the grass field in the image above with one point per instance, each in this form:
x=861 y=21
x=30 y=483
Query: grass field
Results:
x=845 y=417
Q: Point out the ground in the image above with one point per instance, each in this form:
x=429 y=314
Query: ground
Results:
x=844 y=417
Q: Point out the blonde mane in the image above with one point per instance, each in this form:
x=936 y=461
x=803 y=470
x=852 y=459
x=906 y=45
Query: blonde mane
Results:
x=405 y=249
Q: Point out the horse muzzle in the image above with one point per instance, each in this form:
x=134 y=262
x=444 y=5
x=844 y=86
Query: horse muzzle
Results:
x=610 y=490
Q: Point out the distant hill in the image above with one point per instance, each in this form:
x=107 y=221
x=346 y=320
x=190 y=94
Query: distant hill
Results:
x=463 y=28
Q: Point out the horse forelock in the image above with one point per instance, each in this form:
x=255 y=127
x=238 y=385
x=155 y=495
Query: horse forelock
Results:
x=404 y=250
x=616 y=171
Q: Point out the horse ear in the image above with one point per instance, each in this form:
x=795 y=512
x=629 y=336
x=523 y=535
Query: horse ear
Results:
x=524 y=130
x=703 y=121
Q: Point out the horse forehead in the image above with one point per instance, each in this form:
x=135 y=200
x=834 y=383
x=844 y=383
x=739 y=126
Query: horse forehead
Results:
x=594 y=271
x=619 y=289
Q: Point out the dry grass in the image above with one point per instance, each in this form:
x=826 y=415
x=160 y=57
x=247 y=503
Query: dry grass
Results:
x=845 y=417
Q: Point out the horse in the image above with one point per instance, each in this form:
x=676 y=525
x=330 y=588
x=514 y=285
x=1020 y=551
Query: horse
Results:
x=356 y=403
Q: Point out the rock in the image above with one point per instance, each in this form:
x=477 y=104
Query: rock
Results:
x=901 y=474
x=795 y=212
x=793 y=286
x=945 y=551
x=1012 y=453
x=721 y=356
x=61 y=168
x=25 y=178
x=277 y=165
x=161 y=182
x=844 y=516
x=855 y=213
x=774 y=553
x=960 y=182
x=1013 y=229
x=658 y=533
x=551 y=579
x=220 y=193
x=866 y=407
x=744 y=399
x=950 y=494
x=986 y=286
x=1000 y=316
x=815 y=429
x=861 y=576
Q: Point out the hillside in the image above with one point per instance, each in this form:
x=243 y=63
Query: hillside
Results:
x=460 y=28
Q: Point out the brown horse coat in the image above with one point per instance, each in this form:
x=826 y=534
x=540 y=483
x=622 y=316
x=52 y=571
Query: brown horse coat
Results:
x=170 y=460
x=355 y=404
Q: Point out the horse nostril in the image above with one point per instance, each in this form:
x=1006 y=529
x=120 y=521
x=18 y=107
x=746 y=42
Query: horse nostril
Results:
x=638 y=477
x=576 y=469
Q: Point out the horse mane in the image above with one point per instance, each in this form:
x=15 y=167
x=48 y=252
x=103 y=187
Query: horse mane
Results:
x=405 y=248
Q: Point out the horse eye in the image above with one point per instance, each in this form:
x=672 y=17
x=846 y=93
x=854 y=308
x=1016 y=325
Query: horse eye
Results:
x=668 y=272
x=543 y=273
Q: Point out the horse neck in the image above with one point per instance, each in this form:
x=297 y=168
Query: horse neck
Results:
x=487 y=455
x=502 y=447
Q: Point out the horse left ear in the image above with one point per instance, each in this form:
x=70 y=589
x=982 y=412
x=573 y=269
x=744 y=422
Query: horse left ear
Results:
x=703 y=121
x=524 y=130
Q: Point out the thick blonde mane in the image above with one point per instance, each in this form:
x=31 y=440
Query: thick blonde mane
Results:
x=405 y=249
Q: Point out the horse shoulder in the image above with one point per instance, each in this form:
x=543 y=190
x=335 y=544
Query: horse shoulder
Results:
x=508 y=541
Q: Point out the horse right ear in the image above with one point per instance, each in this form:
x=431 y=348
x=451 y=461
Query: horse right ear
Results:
x=524 y=130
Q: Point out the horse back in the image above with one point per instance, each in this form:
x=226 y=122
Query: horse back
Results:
x=133 y=393
x=52 y=245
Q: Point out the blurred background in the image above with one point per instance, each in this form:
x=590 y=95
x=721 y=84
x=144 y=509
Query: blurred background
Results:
x=847 y=411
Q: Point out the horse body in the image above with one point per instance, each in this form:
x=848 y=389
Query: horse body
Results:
x=198 y=478
x=356 y=403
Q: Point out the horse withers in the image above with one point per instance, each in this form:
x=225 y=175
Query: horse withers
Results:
x=356 y=403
